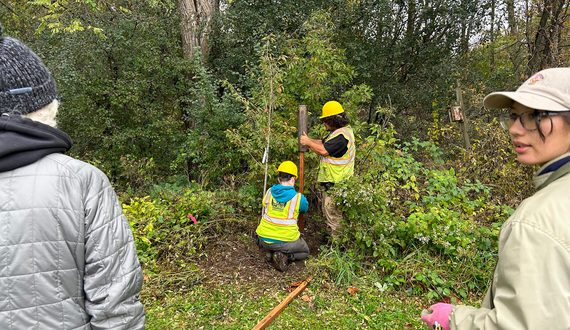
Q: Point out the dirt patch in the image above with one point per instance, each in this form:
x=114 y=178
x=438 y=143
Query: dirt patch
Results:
x=236 y=261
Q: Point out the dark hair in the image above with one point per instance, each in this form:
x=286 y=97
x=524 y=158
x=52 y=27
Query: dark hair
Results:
x=565 y=115
x=337 y=121
x=285 y=176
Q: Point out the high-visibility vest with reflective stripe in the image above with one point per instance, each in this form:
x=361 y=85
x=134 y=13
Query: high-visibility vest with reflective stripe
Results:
x=279 y=221
x=333 y=169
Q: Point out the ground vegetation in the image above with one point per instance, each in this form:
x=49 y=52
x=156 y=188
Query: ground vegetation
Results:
x=183 y=135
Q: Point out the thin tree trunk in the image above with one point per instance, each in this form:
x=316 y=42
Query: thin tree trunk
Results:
x=511 y=18
x=410 y=24
x=544 y=51
x=492 y=38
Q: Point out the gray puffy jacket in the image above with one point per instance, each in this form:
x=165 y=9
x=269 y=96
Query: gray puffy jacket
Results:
x=67 y=255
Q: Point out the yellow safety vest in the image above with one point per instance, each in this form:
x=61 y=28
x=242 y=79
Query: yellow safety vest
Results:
x=279 y=221
x=334 y=169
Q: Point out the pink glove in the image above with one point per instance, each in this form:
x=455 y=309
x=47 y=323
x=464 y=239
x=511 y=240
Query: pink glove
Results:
x=439 y=316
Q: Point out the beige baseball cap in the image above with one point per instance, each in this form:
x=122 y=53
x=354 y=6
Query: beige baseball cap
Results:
x=548 y=89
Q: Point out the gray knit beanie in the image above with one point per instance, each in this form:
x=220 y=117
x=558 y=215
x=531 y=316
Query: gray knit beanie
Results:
x=26 y=85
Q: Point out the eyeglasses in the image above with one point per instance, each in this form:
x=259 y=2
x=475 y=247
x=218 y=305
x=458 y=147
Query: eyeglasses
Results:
x=529 y=120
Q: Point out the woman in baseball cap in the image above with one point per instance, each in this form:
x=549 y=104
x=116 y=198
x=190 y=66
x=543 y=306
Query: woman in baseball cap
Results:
x=531 y=285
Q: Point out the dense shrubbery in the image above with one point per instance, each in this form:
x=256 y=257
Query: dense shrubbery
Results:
x=408 y=200
x=411 y=217
x=402 y=204
x=422 y=211
x=163 y=223
x=414 y=203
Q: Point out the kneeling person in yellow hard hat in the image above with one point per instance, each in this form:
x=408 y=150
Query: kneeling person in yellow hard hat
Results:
x=337 y=153
x=278 y=230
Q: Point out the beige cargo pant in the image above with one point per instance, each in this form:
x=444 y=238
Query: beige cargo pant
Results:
x=333 y=215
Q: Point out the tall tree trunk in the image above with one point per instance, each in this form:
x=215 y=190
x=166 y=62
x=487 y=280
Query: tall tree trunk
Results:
x=492 y=38
x=195 y=20
x=409 y=40
x=511 y=18
x=410 y=24
x=545 y=49
x=465 y=26
x=464 y=42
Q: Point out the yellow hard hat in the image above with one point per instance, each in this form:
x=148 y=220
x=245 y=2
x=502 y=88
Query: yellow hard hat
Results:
x=331 y=108
x=288 y=167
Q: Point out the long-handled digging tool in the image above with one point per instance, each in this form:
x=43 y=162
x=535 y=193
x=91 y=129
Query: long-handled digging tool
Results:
x=277 y=310
x=302 y=148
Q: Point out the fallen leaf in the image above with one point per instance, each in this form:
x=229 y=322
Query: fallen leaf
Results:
x=452 y=299
x=306 y=298
x=352 y=291
x=408 y=324
x=297 y=284
x=293 y=286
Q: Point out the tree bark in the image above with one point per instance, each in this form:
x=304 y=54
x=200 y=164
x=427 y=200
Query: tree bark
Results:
x=492 y=38
x=464 y=38
x=195 y=23
x=410 y=24
x=511 y=18
x=545 y=49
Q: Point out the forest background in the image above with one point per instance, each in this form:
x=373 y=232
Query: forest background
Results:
x=177 y=102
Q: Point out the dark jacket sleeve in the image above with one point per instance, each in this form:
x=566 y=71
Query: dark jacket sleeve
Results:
x=113 y=276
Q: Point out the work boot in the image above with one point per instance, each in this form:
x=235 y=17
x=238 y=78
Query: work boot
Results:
x=280 y=261
x=268 y=256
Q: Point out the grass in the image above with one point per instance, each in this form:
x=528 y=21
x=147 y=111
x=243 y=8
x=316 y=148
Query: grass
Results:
x=318 y=307
x=322 y=305
x=340 y=296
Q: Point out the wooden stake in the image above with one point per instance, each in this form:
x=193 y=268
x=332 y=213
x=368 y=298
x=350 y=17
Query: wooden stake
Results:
x=277 y=310
x=464 y=123
x=302 y=148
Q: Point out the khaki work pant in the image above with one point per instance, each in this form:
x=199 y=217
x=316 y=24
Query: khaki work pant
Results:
x=333 y=215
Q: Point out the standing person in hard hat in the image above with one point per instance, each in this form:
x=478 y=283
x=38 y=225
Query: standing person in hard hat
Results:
x=278 y=230
x=337 y=153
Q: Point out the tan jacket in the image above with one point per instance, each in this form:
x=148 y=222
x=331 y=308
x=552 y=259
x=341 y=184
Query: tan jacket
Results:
x=531 y=284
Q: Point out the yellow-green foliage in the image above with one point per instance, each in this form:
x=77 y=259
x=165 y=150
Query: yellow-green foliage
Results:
x=163 y=227
x=491 y=159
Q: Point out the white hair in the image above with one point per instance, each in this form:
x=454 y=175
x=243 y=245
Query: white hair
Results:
x=45 y=115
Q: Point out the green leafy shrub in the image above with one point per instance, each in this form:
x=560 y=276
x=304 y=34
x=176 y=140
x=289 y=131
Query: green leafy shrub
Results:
x=491 y=158
x=305 y=69
x=163 y=225
x=396 y=205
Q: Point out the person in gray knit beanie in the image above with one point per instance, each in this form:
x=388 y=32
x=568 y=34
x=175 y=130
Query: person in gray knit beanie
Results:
x=26 y=85
x=69 y=259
